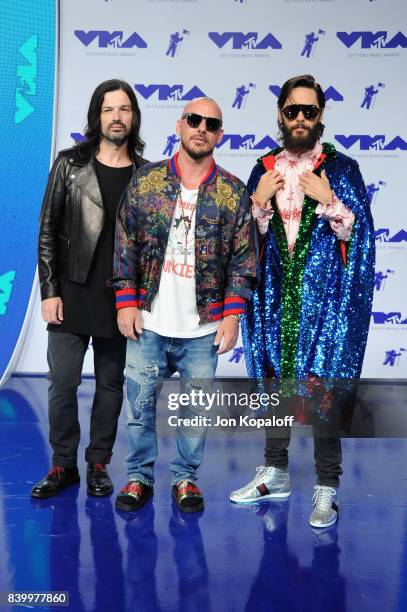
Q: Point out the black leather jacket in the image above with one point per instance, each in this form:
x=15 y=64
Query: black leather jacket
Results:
x=71 y=221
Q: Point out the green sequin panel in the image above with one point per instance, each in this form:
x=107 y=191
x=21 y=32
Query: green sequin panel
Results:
x=293 y=268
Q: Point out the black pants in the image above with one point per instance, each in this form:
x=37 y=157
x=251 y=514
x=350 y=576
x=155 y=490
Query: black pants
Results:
x=327 y=454
x=66 y=353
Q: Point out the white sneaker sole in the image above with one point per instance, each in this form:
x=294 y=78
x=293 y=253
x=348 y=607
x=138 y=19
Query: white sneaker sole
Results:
x=318 y=526
x=251 y=500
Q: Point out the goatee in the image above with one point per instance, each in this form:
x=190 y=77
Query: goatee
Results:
x=303 y=143
x=196 y=155
x=116 y=139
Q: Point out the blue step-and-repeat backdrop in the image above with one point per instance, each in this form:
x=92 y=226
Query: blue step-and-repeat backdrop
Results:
x=238 y=52
x=27 y=97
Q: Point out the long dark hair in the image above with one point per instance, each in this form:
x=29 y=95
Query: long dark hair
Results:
x=90 y=145
x=304 y=80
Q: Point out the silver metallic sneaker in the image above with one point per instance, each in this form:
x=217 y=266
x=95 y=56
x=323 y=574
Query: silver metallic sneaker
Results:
x=269 y=483
x=325 y=512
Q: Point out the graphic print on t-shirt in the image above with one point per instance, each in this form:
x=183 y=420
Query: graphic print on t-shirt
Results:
x=179 y=255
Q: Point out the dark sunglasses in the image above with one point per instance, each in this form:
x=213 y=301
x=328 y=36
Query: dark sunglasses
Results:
x=194 y=120
x=308 y=110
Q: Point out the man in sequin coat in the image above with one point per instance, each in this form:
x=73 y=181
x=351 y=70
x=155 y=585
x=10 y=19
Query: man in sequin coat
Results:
x=309 y=317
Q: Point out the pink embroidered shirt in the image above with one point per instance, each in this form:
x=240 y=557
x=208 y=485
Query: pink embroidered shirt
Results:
x=290 y=199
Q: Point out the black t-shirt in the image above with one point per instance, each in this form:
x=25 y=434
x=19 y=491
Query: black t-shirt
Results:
x=89 y=309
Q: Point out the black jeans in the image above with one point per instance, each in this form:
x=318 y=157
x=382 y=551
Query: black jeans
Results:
x=65 y=355
x=327 y=455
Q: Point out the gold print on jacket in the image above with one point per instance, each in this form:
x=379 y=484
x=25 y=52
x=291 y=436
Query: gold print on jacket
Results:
x=154 y=182
x=224 y=196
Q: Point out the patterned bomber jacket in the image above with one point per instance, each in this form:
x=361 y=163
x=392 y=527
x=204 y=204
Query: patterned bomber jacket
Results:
x=225 y=243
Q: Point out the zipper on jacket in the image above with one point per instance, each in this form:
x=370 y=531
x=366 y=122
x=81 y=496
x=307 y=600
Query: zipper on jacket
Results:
x=66 y=240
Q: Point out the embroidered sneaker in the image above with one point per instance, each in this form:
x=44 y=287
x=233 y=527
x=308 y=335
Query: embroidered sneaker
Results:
x=325 y=512
x=269 y=483
x=187 y=496
x=133 y=496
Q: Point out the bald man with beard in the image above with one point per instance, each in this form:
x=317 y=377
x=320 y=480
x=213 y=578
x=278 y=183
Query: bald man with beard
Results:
x=185 y=267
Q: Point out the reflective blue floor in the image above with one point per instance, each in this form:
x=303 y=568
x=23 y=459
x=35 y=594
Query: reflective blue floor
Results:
x=228 y=558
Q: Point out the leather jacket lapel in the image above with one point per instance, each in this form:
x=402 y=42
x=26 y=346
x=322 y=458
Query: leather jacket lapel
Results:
x=87 y=181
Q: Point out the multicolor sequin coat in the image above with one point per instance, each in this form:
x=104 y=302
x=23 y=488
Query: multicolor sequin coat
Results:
x=310 y=314
x=225 y=247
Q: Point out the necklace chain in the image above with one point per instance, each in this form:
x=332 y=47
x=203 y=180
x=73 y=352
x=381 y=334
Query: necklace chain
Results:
x=187 y=222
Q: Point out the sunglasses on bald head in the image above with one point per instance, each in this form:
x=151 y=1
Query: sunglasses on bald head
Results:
x=310 y=111
x=213 y=124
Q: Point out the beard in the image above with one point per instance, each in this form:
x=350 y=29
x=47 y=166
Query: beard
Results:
x=303 y=143
x=196 y=154
x=117 y=138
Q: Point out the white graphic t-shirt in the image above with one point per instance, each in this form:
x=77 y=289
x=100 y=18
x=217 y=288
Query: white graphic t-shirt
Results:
x=173 y=311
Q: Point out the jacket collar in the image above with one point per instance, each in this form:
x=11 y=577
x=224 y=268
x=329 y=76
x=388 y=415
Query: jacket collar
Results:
x=328 y=153
x=173 y=168
x=75 y=159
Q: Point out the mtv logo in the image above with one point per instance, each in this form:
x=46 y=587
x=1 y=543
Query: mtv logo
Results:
x=248 y=141
x=370 y=40
x=383 y=235
x=110 y=39
x=240 y=40
x=6 y=287
x=394 y=318
x=168 y=92
x=371 y=143
x=330 y=93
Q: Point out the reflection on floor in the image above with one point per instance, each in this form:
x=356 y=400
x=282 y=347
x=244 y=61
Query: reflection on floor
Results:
x=228 y=558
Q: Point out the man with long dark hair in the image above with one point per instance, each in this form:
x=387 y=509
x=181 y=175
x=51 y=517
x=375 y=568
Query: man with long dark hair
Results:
x=75 y=253
x=309 y=317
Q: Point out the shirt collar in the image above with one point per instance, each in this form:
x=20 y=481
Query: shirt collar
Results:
x=313 y=154
x=174 y=169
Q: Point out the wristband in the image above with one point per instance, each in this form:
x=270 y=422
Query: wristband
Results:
x=255 y=202
x=331 y=202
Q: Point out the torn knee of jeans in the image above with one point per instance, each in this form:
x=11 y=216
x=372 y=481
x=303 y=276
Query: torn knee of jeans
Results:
x=152 y=369
x=140 y=411
x=149 y=368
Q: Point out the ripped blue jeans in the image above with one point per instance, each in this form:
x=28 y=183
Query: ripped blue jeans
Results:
x=149 y=360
